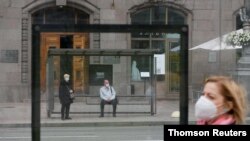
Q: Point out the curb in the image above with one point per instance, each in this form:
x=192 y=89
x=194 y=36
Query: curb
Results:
x=94 y=124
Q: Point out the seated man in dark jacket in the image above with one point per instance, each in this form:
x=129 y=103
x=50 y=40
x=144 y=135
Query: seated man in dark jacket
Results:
x=108 y=96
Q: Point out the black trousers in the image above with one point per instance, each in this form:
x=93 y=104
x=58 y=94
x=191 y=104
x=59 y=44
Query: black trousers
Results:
x=65 y=110
x=114 y=104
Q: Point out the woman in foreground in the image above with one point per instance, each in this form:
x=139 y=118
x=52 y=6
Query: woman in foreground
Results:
x=223 y=102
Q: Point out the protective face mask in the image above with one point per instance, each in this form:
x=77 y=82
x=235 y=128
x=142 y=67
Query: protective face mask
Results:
x=205 y=109
x=107 y=85
x=66 y=79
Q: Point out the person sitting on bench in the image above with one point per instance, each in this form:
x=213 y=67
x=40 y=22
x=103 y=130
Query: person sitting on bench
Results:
x=108 y=96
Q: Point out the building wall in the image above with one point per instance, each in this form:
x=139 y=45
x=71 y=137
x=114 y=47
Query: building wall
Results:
x=207 y=20
x=11 y=88
x=212 y=20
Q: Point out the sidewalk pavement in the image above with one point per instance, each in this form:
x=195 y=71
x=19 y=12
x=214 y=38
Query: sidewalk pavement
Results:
x=19 y=115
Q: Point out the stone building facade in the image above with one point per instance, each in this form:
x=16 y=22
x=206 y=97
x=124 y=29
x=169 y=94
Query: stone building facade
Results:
x=207 y=19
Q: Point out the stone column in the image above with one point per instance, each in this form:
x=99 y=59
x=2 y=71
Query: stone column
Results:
x=243 y=70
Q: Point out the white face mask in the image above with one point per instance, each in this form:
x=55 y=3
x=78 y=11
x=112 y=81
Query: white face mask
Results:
x=205 y=109
x=66 y=79
x=107 y=85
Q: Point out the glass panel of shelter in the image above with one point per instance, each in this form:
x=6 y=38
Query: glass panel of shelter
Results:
x=88 y=76
x=138 y=99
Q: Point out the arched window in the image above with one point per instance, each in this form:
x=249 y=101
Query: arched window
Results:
x=60 y=15
x=170 y=42
x=158 y=15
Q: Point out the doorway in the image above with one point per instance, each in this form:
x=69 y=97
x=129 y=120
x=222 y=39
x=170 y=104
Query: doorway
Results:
x=76 y=67
x=66 y=64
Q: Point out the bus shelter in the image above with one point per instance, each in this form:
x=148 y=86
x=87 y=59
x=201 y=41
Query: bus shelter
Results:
x=98 y=36
x=148 y=93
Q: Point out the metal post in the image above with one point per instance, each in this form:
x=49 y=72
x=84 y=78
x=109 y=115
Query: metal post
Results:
x=35 y=88
x=184 y=77
x=151 y=82
x=155 y=85
x=50 y=85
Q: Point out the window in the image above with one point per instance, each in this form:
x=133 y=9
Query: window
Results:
x=56 y=15
x=170 y=42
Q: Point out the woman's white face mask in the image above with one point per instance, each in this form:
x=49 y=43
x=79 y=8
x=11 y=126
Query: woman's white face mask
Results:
x=205 y=109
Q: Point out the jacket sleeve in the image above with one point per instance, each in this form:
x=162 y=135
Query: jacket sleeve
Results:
x=102 y=96
x=61 y=91
x=113 y=92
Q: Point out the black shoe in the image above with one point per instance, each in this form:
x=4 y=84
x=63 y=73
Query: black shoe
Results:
x=114 y=115
x=101 y=116
x=68 y=118
x=62 y=118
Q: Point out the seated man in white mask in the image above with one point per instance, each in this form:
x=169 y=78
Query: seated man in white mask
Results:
x=108 y=96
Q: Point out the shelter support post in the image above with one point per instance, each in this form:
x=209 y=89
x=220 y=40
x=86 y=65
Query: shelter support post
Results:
x=50 y=86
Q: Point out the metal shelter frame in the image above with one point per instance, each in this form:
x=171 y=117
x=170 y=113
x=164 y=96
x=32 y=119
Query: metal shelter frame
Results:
x=104 y=28
x=100 y=52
